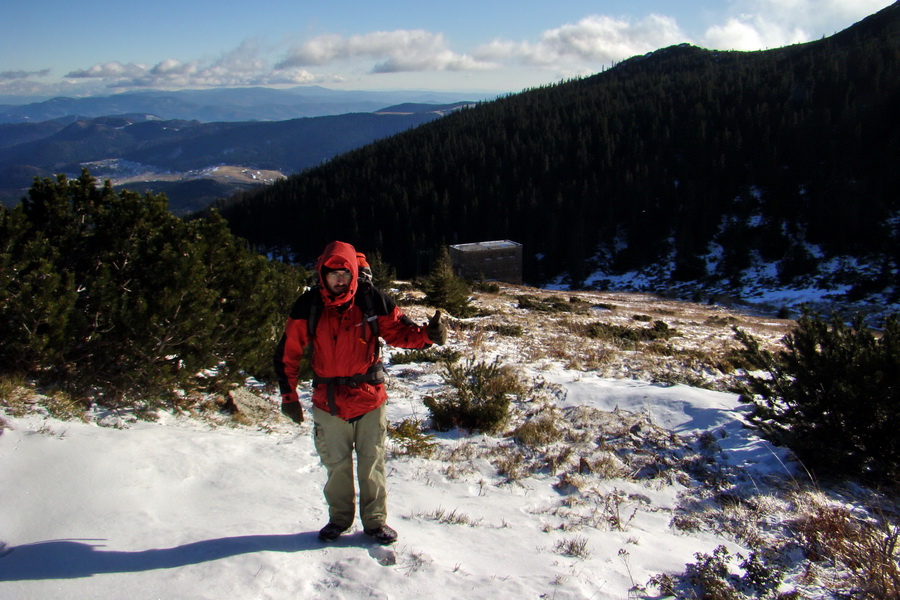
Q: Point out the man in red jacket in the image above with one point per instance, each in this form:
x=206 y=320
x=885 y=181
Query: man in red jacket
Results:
x=348 y=383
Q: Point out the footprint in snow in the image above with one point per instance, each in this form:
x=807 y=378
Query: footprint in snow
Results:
x=383 y=556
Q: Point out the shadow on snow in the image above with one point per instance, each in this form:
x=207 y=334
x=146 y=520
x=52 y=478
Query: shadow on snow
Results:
x=70 y=559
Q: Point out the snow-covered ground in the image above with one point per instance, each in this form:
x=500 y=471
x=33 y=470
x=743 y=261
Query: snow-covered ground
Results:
x=203 y=506
x=178 y=510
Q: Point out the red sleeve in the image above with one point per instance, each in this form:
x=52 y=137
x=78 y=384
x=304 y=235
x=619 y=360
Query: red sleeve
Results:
x=398 y=330
x=288 y=354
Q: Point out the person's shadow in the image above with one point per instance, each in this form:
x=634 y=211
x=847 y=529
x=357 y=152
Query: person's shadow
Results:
x=69 y=559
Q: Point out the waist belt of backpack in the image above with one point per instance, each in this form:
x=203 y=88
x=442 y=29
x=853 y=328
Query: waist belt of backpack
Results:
x=375 y=375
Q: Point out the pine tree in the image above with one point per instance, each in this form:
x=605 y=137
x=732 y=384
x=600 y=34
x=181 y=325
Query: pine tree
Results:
x=443 y=289
x=383 y=273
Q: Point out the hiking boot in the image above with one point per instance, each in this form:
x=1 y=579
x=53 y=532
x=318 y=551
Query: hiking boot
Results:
x=331 y=532
x=384 y=535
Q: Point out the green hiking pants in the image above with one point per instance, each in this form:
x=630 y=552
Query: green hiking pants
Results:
x=336 y=440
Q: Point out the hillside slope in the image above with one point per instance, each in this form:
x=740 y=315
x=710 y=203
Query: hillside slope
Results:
x=698 y=165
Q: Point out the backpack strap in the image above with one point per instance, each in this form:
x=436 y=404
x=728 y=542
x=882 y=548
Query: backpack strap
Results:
x=364 y=299
x=312 y=320
x=365 y=294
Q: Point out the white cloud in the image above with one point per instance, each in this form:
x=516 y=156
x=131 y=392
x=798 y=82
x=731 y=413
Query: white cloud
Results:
x=112 y=69
x=571 y=49
x=752 y=33
x=389 y=52
x=393 y=51
x=596 y=39
x=812 y=14
x=239 y=67
x=761 y=24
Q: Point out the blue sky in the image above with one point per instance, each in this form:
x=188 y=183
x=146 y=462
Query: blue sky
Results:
x=56 y=47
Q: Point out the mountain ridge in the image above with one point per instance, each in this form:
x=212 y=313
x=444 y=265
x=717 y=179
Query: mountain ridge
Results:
x=227 y=104
x=68 y=143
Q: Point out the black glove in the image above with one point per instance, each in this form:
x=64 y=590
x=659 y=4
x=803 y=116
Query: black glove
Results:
x=436 y=330
x=293 y=411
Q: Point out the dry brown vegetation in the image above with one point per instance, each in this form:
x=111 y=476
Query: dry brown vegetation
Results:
x=806 y=539
x=533 y=326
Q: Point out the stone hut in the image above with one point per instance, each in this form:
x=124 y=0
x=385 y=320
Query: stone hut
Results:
x=499 y=260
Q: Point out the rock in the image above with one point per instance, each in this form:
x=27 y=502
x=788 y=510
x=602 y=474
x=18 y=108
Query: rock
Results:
x=250 y=406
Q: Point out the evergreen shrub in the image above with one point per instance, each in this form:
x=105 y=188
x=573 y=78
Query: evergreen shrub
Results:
x=479 y=399
x=410 y=438
x=486 y=287
x=109 y=292
x=550 y=304
x=832 y=396
x=507 y=329
x=383 y=273
x=622 y=334
x=431 y=355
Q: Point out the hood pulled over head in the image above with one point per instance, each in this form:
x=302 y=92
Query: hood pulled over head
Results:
x=338 y=255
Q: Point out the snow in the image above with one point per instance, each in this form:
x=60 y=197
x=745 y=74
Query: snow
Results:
x=184 y=509
x=202 y=505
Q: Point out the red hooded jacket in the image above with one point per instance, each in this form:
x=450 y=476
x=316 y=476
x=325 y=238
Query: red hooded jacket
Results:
x=344 y=345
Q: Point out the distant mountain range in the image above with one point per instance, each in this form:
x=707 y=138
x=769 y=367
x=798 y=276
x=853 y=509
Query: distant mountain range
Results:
x=231 y=104
x=150 y=152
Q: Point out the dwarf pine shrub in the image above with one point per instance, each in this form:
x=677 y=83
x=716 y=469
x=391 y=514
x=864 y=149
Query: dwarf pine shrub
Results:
x=430 y=355
x=109 y=291
x=507 y=329
x=485 y=287
x=479 y=397
x=410 y=439
x=832 y=396
x=620 y=334
x=551 y=304
x=383 y=273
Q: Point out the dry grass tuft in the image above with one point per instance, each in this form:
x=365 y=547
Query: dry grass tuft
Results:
x=450 y=518
x=864 y=545
x=575 y=547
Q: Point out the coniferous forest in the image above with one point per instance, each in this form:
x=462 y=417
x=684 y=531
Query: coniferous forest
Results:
x=648 y=162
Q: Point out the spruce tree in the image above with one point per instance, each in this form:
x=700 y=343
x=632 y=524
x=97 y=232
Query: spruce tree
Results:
x=443 y=289
x=383 y=273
